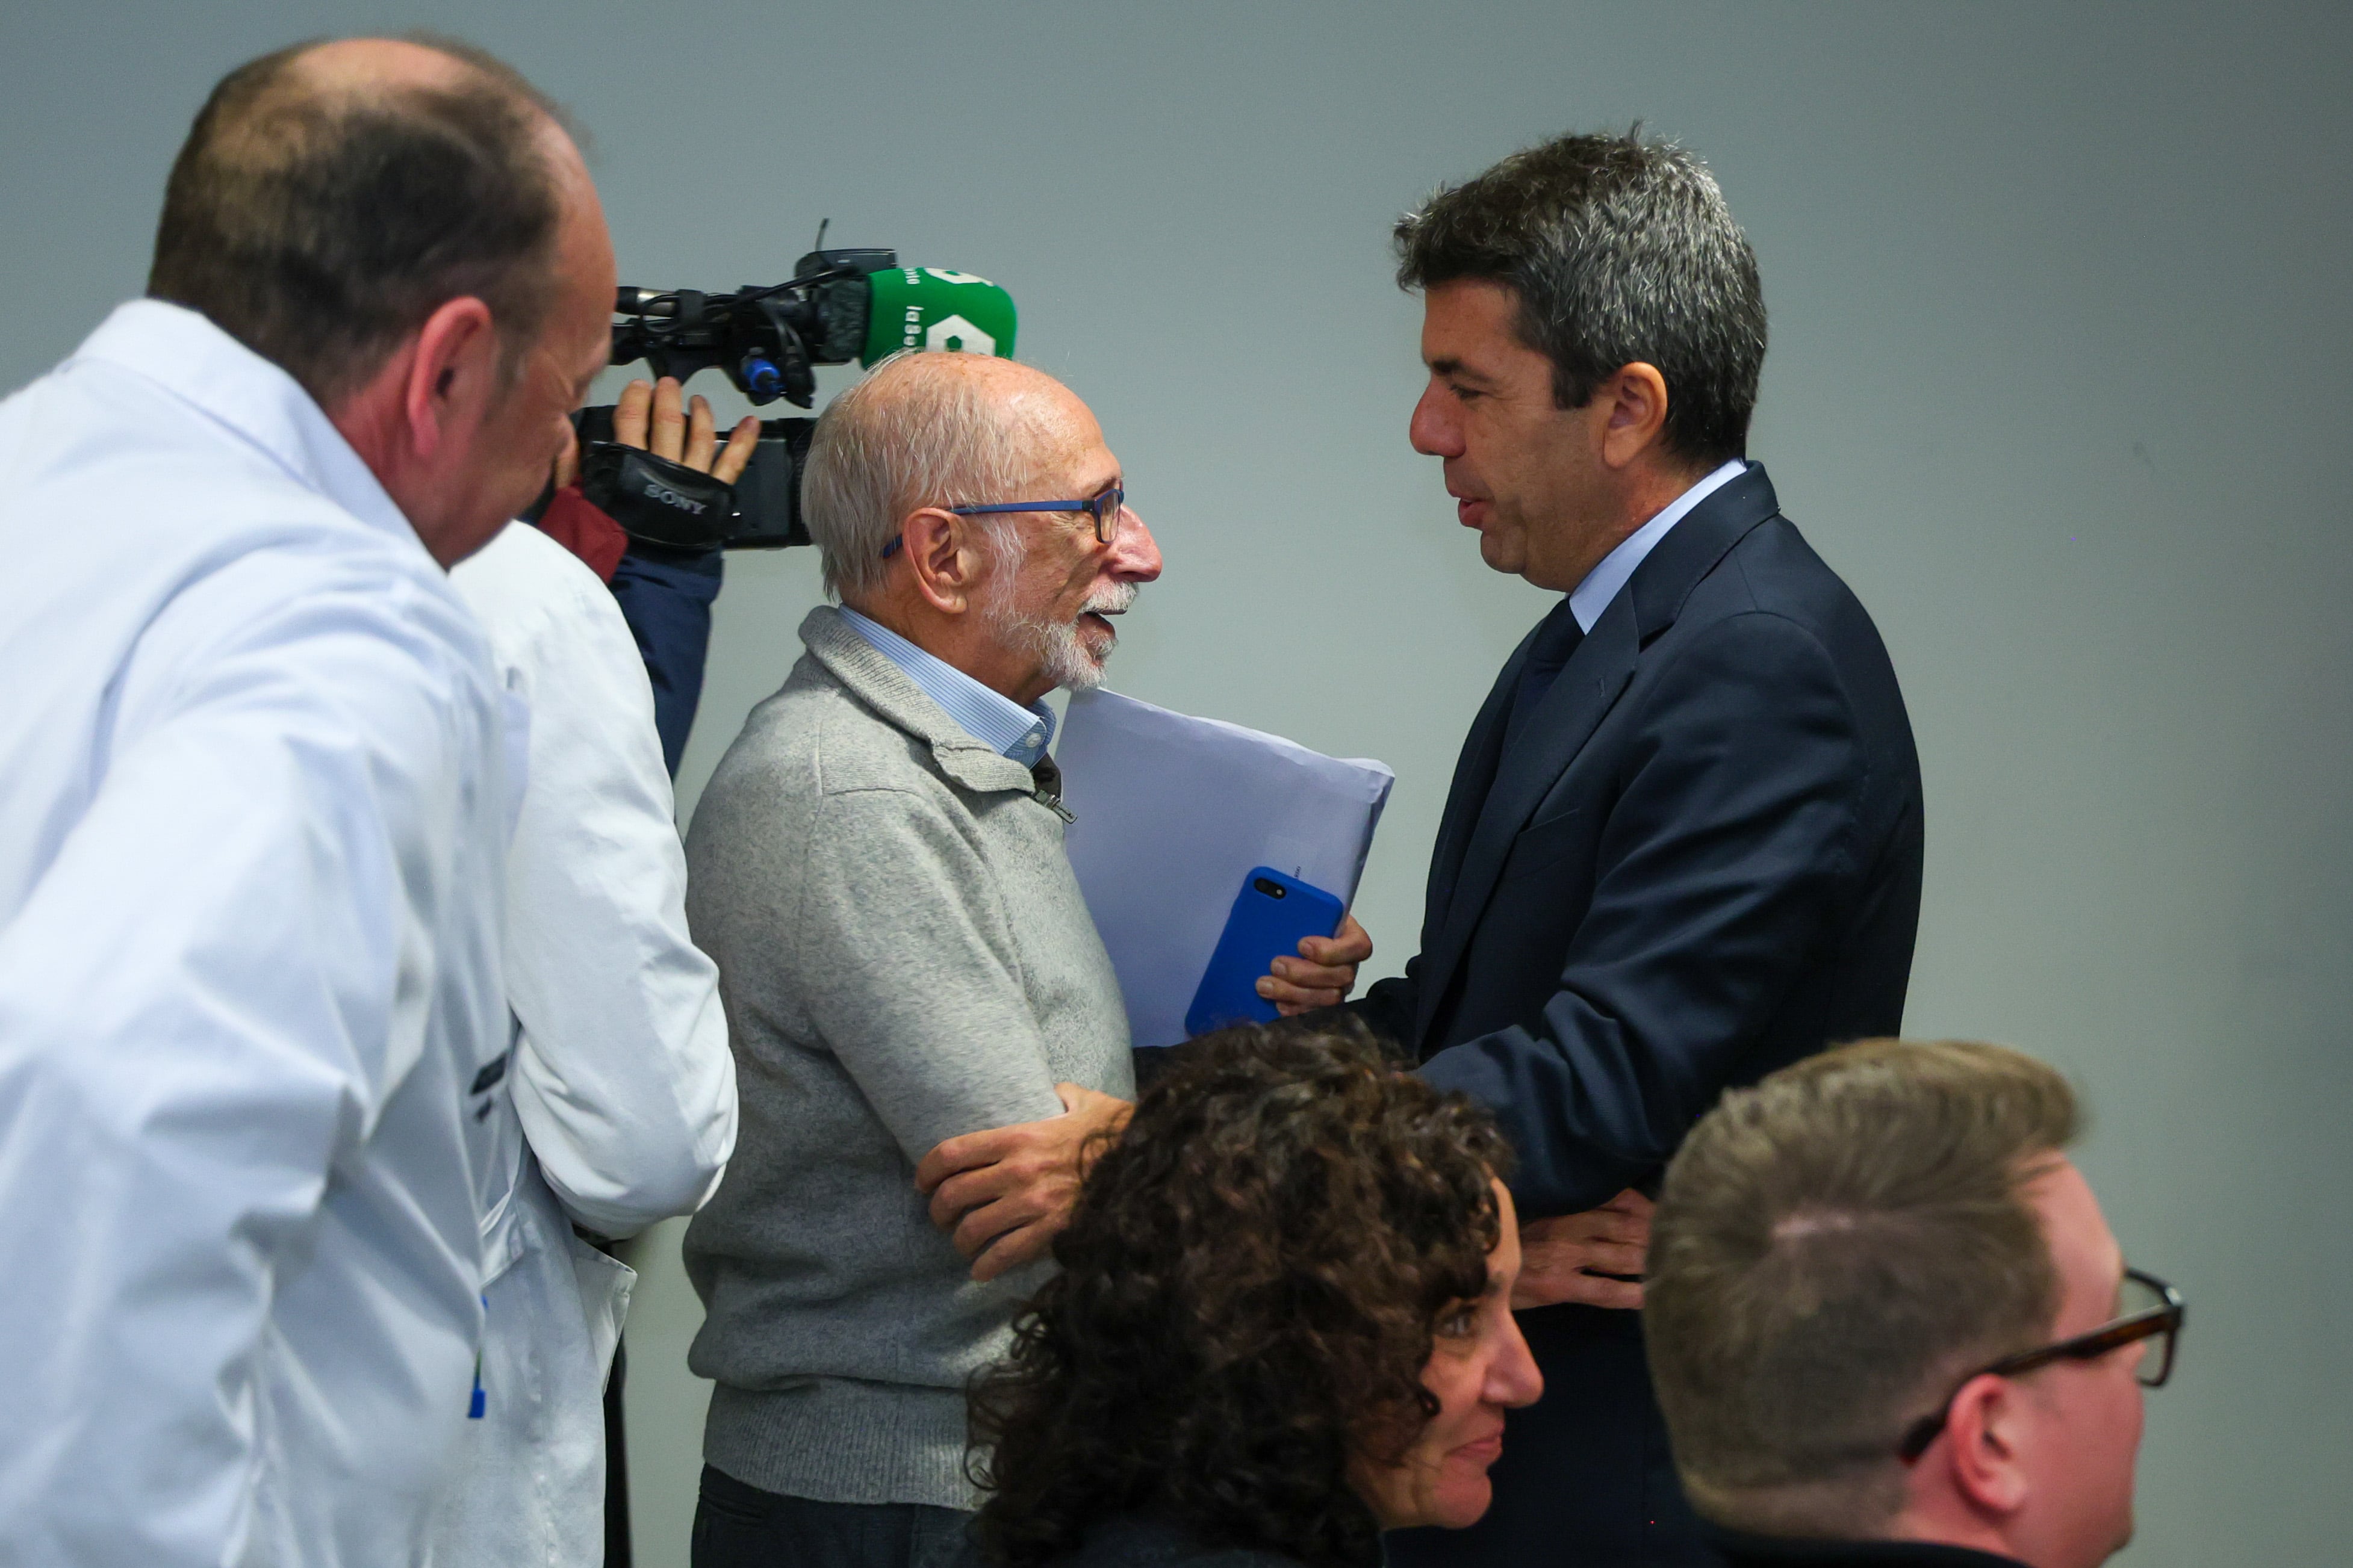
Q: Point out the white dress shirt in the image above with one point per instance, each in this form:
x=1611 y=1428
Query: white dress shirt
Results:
x=253 y=793
x=1590 y=598
x=623 y=1106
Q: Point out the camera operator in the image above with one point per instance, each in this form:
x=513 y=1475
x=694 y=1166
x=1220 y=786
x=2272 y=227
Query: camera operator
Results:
x=621 y=1107
x=665 y=593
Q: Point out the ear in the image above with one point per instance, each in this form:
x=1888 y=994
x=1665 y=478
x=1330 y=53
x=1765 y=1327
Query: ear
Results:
x=452 y=375
x=947 y=557
x=1636 y=399
x=1985 y=1446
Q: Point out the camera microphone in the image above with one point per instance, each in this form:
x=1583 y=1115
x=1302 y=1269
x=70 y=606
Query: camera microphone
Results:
x=838 y=306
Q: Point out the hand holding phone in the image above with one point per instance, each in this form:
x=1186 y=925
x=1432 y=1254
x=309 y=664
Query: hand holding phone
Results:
x=1270 y=915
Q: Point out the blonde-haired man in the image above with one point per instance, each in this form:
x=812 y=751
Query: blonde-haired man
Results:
x=1888 y=1324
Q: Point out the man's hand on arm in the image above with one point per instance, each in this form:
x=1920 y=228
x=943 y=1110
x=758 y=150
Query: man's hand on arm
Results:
x=1322 y=976
x=1566 y=1258
x=1003 y=1194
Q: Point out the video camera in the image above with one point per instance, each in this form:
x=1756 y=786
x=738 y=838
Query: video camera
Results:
x=838 y=306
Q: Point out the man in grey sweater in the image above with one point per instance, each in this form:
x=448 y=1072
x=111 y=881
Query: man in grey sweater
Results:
x=878 y=867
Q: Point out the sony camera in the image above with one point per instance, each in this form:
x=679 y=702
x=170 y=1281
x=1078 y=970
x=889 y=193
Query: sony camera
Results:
x=838 y=306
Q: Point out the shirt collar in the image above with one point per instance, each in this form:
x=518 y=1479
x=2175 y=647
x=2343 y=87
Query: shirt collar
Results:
x=1590 y=598
x=185 y=354
x=989 y=717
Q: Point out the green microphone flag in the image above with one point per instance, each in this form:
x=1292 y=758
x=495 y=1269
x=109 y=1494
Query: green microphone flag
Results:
x=933 y=308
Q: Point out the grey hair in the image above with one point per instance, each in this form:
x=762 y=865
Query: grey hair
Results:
x=1620 y=250
x=877 y=455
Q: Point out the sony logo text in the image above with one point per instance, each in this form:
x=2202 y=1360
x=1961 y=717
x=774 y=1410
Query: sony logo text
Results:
x=669 y=497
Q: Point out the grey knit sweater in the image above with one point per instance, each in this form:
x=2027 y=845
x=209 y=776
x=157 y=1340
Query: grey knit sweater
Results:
x=904 y=956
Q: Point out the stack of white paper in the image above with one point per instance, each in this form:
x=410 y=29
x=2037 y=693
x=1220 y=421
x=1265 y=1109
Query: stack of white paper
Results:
x=1172 y=813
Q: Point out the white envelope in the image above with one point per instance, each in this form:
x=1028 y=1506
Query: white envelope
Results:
x=1172 y=812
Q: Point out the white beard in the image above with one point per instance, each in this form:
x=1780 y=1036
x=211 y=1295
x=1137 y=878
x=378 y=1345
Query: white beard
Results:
x=1064 y=654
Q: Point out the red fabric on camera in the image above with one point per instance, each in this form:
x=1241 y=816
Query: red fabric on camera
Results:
x=572 y=521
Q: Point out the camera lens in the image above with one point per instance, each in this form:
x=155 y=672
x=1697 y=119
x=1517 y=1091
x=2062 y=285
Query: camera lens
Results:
x=1270 y=887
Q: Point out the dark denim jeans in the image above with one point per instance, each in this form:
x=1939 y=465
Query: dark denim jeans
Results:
x=740 y=1526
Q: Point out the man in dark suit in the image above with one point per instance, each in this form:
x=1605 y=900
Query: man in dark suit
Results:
x=1683 y=845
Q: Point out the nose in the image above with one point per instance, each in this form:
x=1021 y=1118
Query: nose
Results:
x=1134 y=557
x=1433 y=430
x=1513 y=1378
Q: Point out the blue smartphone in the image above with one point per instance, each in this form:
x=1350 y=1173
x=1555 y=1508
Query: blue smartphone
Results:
x=1270 y=914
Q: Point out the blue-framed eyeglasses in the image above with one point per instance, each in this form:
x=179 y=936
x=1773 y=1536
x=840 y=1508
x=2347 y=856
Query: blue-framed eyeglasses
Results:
x=1104 y=506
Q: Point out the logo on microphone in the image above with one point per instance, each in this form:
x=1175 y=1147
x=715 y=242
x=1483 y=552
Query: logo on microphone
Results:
x=912 y=304
x=957 y=336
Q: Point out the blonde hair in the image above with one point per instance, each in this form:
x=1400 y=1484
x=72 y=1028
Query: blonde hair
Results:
x=1833 y=1245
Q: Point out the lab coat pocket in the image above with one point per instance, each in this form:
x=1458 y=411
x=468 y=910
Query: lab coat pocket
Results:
x=604 y=1285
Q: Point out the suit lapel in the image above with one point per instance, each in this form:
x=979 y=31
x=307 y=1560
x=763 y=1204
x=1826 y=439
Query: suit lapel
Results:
x=1474 y=775
x=1476 y=834
x=1596 y=673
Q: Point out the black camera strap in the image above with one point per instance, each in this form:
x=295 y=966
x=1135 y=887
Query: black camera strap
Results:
x=656 y=499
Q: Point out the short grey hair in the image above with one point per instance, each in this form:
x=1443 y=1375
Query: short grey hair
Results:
x=882 y=451
x=1620 y=249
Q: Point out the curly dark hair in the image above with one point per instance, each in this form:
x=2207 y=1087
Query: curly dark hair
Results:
x=1247 y=1295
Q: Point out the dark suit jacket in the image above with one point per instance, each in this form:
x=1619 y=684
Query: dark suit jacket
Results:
x=1740 y=1550
x=1698 y=861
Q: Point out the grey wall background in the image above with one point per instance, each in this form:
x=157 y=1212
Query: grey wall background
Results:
x=2059 y=382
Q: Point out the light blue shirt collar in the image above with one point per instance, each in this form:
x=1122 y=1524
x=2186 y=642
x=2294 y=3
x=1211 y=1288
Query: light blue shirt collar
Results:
x=989 y=717
x=1590 y=598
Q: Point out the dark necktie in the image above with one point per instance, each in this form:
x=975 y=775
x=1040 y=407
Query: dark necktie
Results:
x=1556 y=639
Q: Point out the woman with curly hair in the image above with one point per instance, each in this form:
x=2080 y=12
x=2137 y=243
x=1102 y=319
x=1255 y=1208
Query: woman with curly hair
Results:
x=1281 y=1323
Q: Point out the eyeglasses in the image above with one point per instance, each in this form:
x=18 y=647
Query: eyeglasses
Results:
x=1104 y=506
x=2157 y=1310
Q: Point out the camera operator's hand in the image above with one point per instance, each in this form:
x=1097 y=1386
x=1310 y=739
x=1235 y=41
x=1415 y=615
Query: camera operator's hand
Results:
x=649 y=418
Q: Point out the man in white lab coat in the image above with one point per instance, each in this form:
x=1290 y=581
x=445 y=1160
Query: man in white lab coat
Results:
x=623 y=1091
x=253 y=799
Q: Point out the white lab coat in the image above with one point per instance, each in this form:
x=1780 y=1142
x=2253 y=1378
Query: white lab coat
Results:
x=253 y=801
x=624 y=1093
